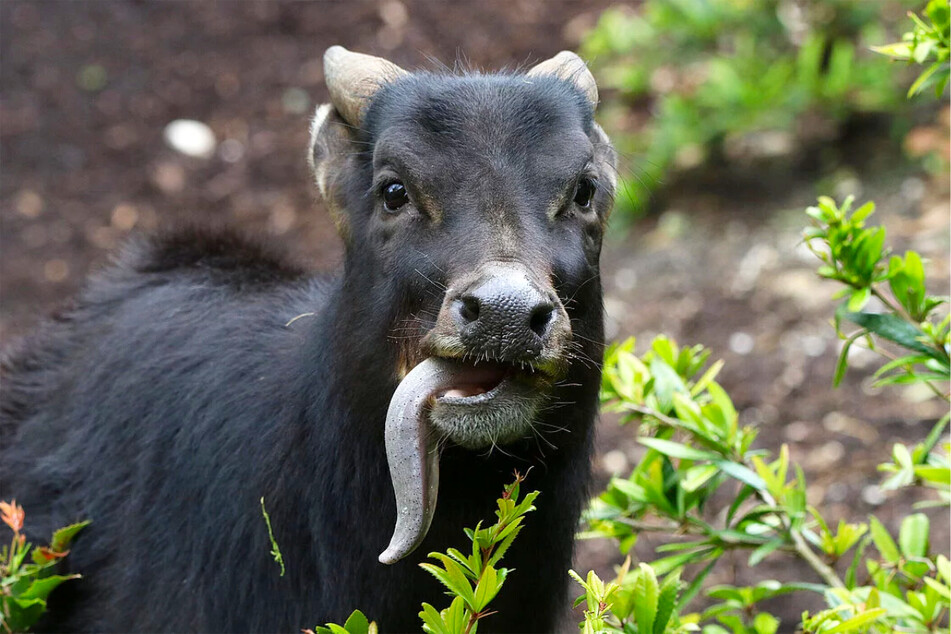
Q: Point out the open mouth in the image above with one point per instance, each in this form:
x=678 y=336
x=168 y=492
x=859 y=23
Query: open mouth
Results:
x=475 y=405
x=479 y=383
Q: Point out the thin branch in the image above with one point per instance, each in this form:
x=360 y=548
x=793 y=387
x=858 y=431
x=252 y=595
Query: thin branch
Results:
x=802 y=548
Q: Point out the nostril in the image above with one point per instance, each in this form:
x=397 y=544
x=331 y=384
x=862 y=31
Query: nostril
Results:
x=469 y=308
x=541 y=319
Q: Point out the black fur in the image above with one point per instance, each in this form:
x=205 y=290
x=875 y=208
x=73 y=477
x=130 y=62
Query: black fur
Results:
x=179 y=389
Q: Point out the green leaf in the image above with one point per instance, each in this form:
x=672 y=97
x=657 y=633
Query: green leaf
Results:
x=883 y=541
x=666 y=382
x=41 y=588
x=666 y=601
x=923 y=78
x=842 y=364
x=695 y=586
x=859 y=299
x=455 y=617
x=696 y=477
x=941 y=589
x=764 y=623
x=857 y=621
x=863 y=212
x=503 y=547
x=676 y=449
x=850 y=574
x=763 y=551
x=646 y=593
x=432 y=620
x=23 y=613
x=741 y=473
x=357 y=623
x=891 y=327
x=487 y=588
x=913 y=536
x=452 y=577
x=64 y=536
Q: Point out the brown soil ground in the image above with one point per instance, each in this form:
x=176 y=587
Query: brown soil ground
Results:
x=87 y=88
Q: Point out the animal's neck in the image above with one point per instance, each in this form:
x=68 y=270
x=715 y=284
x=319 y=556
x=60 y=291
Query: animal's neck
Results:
x=351 y=358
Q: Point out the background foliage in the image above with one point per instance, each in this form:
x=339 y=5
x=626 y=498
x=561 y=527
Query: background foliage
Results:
x=735 y=79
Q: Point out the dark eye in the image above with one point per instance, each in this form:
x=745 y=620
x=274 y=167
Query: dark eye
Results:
x=394 y=196
x=584 y=192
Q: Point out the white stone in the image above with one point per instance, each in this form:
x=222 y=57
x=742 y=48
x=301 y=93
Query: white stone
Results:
x=741 y=343
x=873 y=494
x=615 y=462
x=191 y=138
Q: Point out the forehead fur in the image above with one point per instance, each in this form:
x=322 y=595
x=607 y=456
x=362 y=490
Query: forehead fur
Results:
x=456 y=107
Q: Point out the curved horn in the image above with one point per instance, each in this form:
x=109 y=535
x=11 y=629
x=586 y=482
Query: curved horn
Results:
x=568 y=66
x=353 y=79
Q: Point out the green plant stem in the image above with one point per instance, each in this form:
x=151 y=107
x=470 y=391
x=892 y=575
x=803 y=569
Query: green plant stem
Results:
x=799 y=544
x=895 y=308
x=644 y=527
x=802 y=548
x=909 y=369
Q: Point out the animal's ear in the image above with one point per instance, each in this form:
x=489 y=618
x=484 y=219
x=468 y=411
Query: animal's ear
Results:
x=568 y=66
x=331 y=146
x=353 y=79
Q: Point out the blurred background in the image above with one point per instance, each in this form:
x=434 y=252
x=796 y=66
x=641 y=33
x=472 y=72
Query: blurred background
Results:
x=731 y=117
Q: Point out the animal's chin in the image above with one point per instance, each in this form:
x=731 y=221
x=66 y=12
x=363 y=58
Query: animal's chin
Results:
x=489 y=404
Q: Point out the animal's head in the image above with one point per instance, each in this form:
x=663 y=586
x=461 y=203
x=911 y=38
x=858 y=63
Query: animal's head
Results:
x=473 y=208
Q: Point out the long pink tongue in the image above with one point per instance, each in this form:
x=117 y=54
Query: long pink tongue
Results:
x=412 y=454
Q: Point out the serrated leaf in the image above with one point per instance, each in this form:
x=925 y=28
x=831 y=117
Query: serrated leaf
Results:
x=432 y=620
x=357 y=623
x=487 y=588
x=503 y=547
x=41 y=588
x=64 y=536
x=464 y=562
x=451 y=576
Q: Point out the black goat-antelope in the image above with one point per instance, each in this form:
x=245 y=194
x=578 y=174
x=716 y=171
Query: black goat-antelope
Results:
x=461 y=341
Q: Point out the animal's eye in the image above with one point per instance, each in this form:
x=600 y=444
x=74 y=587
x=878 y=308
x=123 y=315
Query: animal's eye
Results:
x=584 y=192
x=394 y=196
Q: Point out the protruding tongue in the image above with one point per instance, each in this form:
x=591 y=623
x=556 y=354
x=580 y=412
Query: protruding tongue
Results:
x=412 y=455
x=411 y=450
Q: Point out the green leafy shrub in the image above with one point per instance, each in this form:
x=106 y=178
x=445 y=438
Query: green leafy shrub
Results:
x=26 y=585
x=471 y=580
x=721 y=74
x=908 y=332
x=474 y=580
x=696 y=448
x=926 y=42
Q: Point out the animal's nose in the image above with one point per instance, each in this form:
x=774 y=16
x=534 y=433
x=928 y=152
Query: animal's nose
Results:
x=505 y=316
